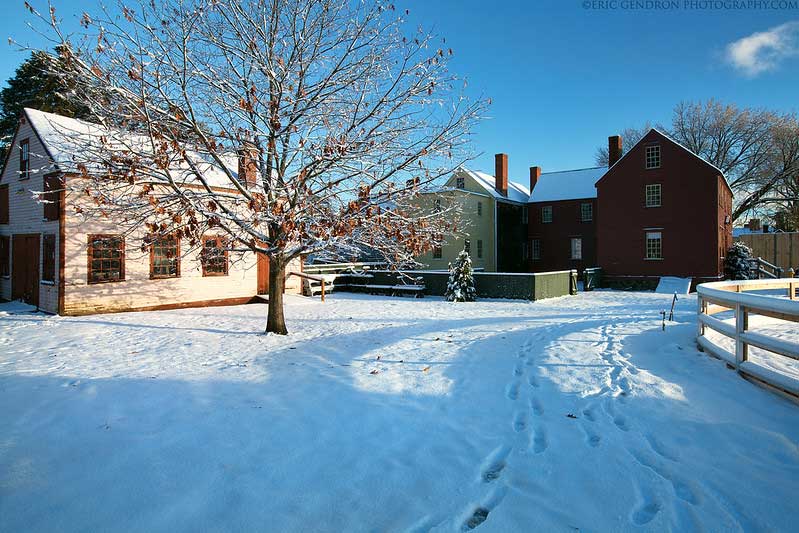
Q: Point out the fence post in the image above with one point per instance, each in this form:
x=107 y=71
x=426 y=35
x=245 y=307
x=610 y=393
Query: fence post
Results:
x=701 y=308
x=741 y=325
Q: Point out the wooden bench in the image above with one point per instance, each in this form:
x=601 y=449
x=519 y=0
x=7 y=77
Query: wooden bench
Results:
x=416 y=290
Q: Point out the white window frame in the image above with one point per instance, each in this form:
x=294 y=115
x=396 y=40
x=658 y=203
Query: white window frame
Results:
x=535 y=249
x=653 y=252
x=652 y=156
x=479 y=209
x=546 y=214
x=576 y=248
x=438 y=205
x=460 y=182
x=652 y=195
x=589 y=208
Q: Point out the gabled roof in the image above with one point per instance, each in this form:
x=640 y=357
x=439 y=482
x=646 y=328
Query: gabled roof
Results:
x=678 y=144
x=516 y=192
x=66 y=139
x=567 y=184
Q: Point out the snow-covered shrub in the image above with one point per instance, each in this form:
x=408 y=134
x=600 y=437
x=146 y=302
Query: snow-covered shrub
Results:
x=737 y=264
x=460 y=287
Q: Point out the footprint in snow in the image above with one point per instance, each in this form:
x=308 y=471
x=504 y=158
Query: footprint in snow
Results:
x=519 y=422
x=512 y=391
x=535 y=405
x=532 y=380
x=494 y=464
x=645 y=512
x=540 y=443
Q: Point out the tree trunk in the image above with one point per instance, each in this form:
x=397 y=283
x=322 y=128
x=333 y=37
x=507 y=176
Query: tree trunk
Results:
x=275 y=321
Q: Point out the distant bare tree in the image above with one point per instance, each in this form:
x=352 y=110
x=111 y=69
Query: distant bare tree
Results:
x=629 y=137
x=757 y=150
x=341 y=113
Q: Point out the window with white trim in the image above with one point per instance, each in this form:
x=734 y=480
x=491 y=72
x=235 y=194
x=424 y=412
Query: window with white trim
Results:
x=479 y=209
x=535 y=249
x=586 y=212
x=653 y=195
x=460 y=182
x=654 y=245
x=576 y=248
x=546 y=214
x=438 y=205
x=479 y=249
x=653 y=156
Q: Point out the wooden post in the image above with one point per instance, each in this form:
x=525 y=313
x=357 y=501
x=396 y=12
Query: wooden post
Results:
x=741 y=325
x=701 y=309
x=323 y=289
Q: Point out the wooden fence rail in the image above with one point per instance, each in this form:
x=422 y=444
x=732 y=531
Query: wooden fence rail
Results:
x=720 y=296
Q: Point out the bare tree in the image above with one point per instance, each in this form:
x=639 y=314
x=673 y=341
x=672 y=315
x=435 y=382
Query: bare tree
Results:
x=630 y=136
x=337 y=116
x=756 y=149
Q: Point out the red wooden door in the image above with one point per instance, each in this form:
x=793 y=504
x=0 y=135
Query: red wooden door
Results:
x=263 y=274
x=25 y=268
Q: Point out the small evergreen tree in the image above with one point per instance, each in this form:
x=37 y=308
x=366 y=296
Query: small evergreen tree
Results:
x=737 y=264
x=460 y=287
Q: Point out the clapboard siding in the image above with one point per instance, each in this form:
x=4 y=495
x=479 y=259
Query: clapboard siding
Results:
x=26 y=213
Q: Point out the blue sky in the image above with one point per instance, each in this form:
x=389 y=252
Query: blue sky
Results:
x=562 y=77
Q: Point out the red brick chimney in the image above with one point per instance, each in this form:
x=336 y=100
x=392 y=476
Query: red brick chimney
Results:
x=535 y=173
x=614 y=149
x=248 y=164
x=501 y=173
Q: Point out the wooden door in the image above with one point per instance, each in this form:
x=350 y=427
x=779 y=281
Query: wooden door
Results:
x=263 y=274
x=25 y=268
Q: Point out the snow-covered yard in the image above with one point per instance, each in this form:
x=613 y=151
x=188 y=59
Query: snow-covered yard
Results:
x=388 y=414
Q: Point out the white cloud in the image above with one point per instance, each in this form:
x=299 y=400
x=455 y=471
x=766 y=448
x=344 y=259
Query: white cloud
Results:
x=764 y=51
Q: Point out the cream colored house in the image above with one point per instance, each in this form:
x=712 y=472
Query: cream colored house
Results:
x=53 y=258
x=481 y=201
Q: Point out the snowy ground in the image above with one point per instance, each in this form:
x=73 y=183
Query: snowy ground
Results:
x=571 y=414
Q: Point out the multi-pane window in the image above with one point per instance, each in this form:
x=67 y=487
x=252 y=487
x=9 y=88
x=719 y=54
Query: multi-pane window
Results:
x=48 y=257
x=586 y=212
x=24 y=159
x=5 y=253
x=438 y=205
x=479 y=249
x=437 y=252
x=546 y=214
x=654 y=245
x=3 y=204
x=653 y=156
x=52 y=197
x=214 y=256
x=535 y=249
x=576 y=248
x=524 y=214
x=467 y=246
x=460 y=182
x=106 y=258
x=165 y=257
x=479 y=209
x=653 y=195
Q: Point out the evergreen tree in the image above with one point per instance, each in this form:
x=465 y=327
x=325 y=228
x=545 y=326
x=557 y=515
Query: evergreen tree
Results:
x=737 y=264
x=460 y=287
x=34 y=85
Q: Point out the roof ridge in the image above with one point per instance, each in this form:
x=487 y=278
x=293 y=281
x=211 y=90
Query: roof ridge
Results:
x=574 y=170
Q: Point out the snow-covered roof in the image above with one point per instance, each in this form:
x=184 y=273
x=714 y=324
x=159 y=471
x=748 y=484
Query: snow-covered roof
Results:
x=72 y=142
x=516 y=192
x=567 y=184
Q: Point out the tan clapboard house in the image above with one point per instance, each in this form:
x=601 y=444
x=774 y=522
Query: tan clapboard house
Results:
x=55 y=259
